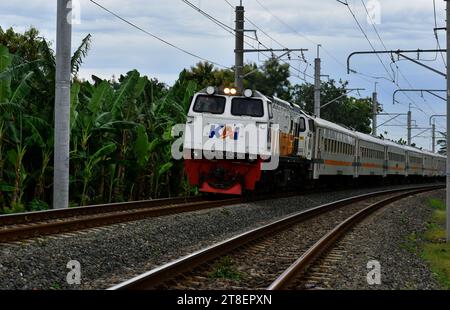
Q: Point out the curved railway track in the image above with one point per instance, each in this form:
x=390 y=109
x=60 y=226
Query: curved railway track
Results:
x=324 y=252
x=268 y=257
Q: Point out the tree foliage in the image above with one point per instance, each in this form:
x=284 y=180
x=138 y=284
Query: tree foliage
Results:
x=120 y=130
x=443 y=144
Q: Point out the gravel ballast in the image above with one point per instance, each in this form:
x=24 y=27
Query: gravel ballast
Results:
x=392 y=237
x=116 y=253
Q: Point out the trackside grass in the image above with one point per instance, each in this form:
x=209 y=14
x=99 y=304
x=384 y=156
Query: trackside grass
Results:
x=435 y=250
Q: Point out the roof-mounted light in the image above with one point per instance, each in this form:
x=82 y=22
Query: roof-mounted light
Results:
x=233 y=91
x=210 y=90
x=227 y=91
x=248 y=93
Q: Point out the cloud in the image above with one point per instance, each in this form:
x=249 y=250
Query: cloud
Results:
x=118 y=48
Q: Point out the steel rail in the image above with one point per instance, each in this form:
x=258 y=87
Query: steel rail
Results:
x=156 y=277
x=35 y=224
x=300 y=266
x=28 y=217
x=20 y=226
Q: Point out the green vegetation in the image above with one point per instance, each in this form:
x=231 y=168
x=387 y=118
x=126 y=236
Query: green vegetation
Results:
x=55 y=286
x=435 y=250
x=443 y=143
x=225 y=269
x=438 y=255
x=121 y=140
x=120 y=130
x=411 y=243
x=437 y=204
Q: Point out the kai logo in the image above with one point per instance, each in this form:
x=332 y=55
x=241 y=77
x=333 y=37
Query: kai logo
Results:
x=223 y=132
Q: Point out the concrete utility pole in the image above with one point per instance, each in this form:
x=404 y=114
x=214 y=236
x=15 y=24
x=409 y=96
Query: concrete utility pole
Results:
x=62 y=105
x=433 y=136
x=448 y=121
x=374 y=112
x=239 y=49
x=409 y=126
x=432 y=123
x=317 y=83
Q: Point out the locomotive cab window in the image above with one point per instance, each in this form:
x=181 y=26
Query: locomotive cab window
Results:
x=210 y=104
x=247 y=107
x=302 y=124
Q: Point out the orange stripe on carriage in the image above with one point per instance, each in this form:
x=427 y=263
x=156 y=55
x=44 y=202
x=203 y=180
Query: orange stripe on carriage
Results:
x=368 y=165
x=338 y=163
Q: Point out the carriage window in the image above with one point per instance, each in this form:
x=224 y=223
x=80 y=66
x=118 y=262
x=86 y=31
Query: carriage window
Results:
x=210 y=104
x=247 y=107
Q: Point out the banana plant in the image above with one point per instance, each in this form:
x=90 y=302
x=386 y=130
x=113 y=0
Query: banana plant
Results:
x=11 y=123
x=89 y=168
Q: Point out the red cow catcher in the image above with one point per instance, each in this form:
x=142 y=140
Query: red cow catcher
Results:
x=223 y=176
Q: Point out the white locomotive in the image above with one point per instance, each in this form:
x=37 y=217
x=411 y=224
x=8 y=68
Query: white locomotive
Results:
x=234 y=142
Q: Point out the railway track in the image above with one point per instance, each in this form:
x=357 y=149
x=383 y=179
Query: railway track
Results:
x=36 y=224
x=312 y=267
x=274 y=256
x=21 y=226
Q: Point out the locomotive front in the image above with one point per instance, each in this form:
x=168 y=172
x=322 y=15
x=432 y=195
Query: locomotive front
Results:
x=227 y=139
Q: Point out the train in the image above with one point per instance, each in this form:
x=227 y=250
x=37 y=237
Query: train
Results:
x=236 y=143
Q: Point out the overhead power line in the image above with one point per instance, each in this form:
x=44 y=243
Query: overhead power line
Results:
x=397 y=67
x=210 y=17
x=361 y=75
x=436 y=34
x=216 y=21
x=300 y=57
x=392 y=77
x=157 y=37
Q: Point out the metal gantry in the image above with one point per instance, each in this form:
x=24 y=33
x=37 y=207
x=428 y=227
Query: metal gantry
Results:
x=429 y=91
x=399 y=53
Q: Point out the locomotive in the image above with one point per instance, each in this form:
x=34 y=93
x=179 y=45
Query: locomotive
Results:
x=238 y=142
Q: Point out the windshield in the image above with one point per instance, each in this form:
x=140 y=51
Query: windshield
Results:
x=210 y=104
x=247 y=107
x=302 y=125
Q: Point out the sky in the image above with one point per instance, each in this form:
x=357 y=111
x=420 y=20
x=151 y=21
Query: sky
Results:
x=402 y=24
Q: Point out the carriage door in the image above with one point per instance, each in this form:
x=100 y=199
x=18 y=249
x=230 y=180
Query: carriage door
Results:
x=309 y=143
